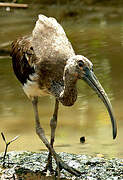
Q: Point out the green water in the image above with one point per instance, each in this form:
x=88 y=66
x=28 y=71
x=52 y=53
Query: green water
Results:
x=102 y=43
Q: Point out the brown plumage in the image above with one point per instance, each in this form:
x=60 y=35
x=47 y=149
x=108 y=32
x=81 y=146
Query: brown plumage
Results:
x=45 y=62
x=22 y=58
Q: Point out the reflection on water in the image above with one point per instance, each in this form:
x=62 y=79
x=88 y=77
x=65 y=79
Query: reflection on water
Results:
x=103 y=44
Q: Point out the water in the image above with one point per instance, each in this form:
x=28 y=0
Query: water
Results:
x=102 y=43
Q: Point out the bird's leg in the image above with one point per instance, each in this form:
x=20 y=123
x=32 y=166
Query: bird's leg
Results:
x=41 y=134
x=53 y=122
x=53 y=125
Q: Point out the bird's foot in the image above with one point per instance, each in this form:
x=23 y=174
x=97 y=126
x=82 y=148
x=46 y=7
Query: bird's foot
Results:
x=61 y=165
x=48 y=170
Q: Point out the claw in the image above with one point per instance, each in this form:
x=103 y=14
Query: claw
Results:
x=48 y=169
x=60 y=165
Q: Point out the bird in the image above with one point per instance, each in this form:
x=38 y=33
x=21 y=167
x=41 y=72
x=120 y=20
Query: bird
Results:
x=45 y=63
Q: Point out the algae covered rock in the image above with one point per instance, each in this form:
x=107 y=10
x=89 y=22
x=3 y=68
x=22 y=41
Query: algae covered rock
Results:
x=29 y=165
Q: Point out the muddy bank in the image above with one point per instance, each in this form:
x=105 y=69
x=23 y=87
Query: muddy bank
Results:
x=28 y=165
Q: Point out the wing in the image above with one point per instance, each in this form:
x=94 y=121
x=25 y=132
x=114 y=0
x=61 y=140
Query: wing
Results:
x=23 y=58
x=50 y=41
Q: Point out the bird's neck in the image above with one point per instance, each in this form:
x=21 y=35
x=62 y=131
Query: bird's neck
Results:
x=66 y=92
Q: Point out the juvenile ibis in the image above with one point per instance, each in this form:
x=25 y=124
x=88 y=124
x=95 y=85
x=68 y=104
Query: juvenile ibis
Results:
x=45 y=63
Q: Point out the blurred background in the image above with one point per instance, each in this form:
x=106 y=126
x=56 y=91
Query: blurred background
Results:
x=95 y=29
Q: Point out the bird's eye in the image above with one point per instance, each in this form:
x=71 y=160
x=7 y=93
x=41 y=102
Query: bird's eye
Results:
x=80 y=63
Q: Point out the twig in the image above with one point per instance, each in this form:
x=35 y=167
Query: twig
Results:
x=5 y=44
x=7 y=144
x=4 y=57
x=13 y=5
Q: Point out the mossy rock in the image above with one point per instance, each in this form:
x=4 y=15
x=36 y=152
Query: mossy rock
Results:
x=29 y=165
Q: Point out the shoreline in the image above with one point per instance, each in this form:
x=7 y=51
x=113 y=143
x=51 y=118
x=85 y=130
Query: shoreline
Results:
x=28 y=165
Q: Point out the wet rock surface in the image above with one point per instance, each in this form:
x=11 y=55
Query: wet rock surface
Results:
x=28 y=165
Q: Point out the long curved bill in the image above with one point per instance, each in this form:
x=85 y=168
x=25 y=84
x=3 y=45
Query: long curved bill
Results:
x=93 y=82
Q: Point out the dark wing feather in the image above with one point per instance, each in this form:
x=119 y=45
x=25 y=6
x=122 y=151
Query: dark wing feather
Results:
x=23 y=58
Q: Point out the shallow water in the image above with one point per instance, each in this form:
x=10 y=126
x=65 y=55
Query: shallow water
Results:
x=102 y=43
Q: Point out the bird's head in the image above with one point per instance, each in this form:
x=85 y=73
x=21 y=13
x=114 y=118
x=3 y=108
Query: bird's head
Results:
x=79 y=67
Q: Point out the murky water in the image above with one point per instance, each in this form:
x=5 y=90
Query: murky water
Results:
x=102 y=43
